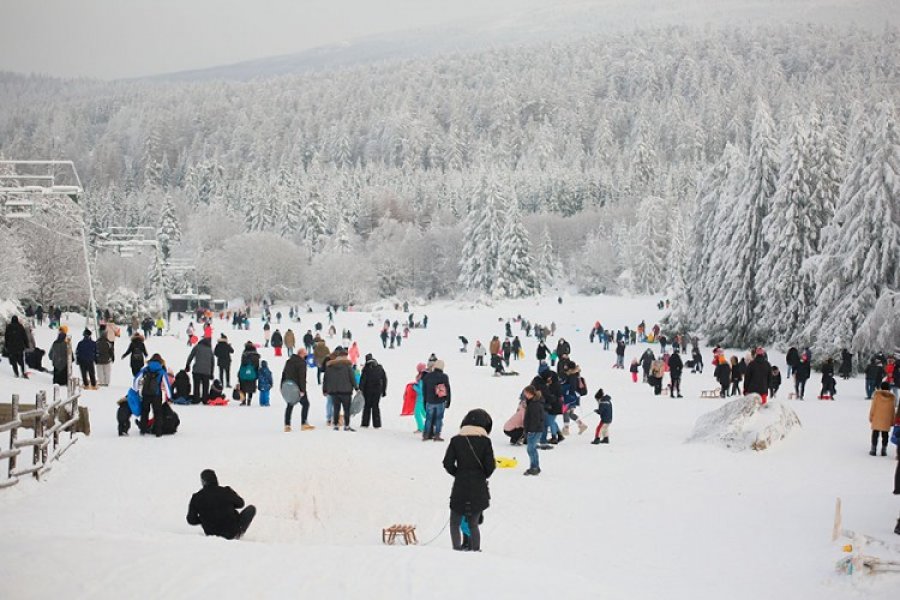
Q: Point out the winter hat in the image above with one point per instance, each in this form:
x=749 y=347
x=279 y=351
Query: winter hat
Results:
x=87 y=333
x=339 y=350
x=760 y=351
x=369 y=357
x=478 y=418
x=543 y=368
x=64 y=329
x=439 y=365
x=886 y=386
x=223 y=338
x=420 y=367
x=208 y=477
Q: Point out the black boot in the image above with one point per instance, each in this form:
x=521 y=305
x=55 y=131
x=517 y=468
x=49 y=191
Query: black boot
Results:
x=605 y=440
x=883 y=451
x=597 y=441
x=559 y=437
x=872 y=452
x=897 y=528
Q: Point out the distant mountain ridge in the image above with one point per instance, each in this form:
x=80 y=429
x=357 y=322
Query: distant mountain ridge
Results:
x=558 y=23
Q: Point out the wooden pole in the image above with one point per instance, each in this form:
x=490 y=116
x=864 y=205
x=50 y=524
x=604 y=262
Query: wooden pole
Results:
x=13 y=434
x=55 y=413
x=38 y=433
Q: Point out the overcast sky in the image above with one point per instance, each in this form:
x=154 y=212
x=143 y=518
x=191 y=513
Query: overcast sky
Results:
x=129 y=38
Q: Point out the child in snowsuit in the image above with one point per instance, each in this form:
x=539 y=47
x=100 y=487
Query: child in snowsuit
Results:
x=604 y=409
x=264 y=383
x=634 y=370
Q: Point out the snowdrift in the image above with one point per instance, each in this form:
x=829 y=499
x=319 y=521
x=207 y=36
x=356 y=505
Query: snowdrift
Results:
x=744 y=424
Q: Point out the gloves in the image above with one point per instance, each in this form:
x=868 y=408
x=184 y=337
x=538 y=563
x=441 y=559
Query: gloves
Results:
x=447 y=404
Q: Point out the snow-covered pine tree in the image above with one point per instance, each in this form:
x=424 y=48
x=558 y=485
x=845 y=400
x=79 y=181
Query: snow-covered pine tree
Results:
x=169 y=232
x=827 y=167
x=787 y=230
x=649 y=248
x=313 y=222
x=515 y=275
x=736 y=317
x=155 y=292
x=860 y=261
x=547 y=267
x=478 y=263
x=715 y=192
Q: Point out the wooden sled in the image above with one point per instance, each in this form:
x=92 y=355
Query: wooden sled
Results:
x=711 y=393
x=408 y=532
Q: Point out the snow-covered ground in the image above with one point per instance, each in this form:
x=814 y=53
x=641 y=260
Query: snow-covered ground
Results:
x=648 y=516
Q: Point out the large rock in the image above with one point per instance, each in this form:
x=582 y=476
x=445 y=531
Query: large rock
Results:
x=744 y=424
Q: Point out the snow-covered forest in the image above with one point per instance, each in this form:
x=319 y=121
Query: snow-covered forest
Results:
x=750 y=175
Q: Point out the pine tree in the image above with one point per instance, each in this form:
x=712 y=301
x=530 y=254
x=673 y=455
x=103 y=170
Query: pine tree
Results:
x=547 y=267
x=788 y=229
x=313 y=223
x=478 y=263
x=860 y=261
x=156 y=283
x=737 y=315
x=648 y=252
x=169 y=232
x=515 y=275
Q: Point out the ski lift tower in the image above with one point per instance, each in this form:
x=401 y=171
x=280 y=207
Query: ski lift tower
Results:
x=28 y=186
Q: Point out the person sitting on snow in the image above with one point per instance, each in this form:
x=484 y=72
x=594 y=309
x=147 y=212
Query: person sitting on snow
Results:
x=215 y=508
x=497 y=365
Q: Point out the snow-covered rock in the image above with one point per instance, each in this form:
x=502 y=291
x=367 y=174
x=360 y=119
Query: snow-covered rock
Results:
x=745 y=424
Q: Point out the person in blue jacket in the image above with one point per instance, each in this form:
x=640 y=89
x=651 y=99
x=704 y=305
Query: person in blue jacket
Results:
x=605 y=410
x=86 y=356
x=264 y=383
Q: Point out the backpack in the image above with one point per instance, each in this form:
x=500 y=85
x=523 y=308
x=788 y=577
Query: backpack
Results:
x=150 y=385
x=440 y=391
x=581 y=388
x=247 y=372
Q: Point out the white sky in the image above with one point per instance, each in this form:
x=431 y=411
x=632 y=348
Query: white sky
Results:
x=130 y=38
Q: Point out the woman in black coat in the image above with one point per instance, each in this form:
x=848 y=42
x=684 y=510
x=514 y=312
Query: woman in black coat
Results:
x=138 y=352
x=470 y=460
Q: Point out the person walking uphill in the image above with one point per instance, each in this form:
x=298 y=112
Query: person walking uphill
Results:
x=339 y=383
x=295 y=370
x=59 y=357
x=106 y=355
x=86 y=356
x=436 y=394
x=215 y=508
x=470 y=460
x=138 y=351
x=204 y=365
x=15 y=342
x=373 y=383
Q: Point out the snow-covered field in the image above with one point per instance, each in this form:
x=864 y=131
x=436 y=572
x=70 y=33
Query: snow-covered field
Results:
x=648 y=516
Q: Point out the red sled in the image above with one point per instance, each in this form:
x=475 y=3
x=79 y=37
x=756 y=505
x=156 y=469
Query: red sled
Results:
x=409 y=400
x=220 y=401
x=826 y=397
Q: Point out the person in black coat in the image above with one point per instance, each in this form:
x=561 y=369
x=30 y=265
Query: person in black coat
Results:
x=774 y=381
x=138 y=351
x=15 y=341
x=295 y=370
x=563 y=348
x=182 y=386
x=676 y=368
x=801 y=375
x=470 y=460
x=215 y=508
x=874 y=375
x=792 y=359
x=757 y=379
x=846 y=364
x=722 y=374
x=541 y=353
x=829 y=385
x=373 y=383
x=547 y=383
x=223 y=353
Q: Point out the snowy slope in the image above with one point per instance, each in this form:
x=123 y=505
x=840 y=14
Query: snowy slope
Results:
x=645 y=517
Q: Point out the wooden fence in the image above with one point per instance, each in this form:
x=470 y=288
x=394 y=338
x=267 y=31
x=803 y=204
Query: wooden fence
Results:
x=47 y=425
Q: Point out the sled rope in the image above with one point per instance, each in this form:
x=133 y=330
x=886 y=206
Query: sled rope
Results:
x=438 y=533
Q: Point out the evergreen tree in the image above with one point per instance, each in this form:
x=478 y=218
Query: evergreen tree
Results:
x=648 y=252
x=155 y=292
x=478 y=263
x=737 y=315
x=788 y=230
x=548 y=268
x=313 y=223
x=169 y=232
x=860 y=262
x=515 y=275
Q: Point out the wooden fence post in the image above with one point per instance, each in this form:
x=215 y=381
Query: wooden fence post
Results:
x=74 y=408
x=40 y=452
x=13 y=434
x=55 y=413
